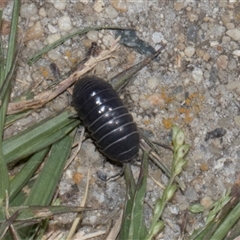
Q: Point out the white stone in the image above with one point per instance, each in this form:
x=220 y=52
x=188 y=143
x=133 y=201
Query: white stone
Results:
x=236 y=53
x=234 y=34
x=157 y=37
x=54 y=54
x=119 y=5
x=51 y=28
x=65 y=23
x=237 y=120
x=93 y=35
x=235 y=85
x=28 y=10
x=60 y=4
x=197 y=75
x=152 y=83
x=92 y=219
x=189 y=51
x=42 y=12
x=111 y=12
x=98 y=6
x=145 y=104
x=220 y=163
x=53 y=37
x=214 y=43
x=108 y=40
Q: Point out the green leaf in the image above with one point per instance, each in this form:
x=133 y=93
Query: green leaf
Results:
x=38 y=136
x=196 y=208
x=5 y=68
x=22 y=177
x=133 y=226
x=44 y=188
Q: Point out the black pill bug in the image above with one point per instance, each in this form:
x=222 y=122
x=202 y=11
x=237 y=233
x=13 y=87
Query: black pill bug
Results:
x=105 y=116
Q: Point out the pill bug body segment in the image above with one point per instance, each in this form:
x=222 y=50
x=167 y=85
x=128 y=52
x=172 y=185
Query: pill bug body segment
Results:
x=108 y=120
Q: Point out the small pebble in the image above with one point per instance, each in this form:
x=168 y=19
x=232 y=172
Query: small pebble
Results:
x=189 y=51
x=92 y=220
x=145 y=104
x=131 y=57
x=60 y=4
x=237 y=120
x=98 y=6
x=77 y=177
x=170 y=15
x=234 y=34
x=192 y=32
x=157 y=37
x=222 y=61
x=206 y=56
x=108 y=40
x=42 y=12
x=51 y=28
x=193 y=17
x=28 y=10
x=206 y=202
x=65 y=24
x=230 y=26
x=54 y=54
x=111 y=12
x=204 y=166
x=216 y=133
x=152 y=83
x=191 y=194
x=69 y=173
x=34 y=32
x=53 y=37
x=156 y=100
x=197 y=75
x=92 y=35
x=235 y=85
x=236 y=53
x=119 y=5
x=178 y=6
x=220 y=163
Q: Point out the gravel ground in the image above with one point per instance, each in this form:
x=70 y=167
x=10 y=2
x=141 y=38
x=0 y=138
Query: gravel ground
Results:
x=195 y=84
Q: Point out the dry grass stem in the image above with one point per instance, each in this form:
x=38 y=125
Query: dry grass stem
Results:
x=116 y=228
x=83 y=236
x=43 y=98
x=77 y=151
x=79 y=216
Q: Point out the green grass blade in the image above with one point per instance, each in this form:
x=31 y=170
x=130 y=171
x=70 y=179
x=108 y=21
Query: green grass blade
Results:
x=133 y=220
x=2 y=63
x=137 y=227
x=4 y=180
x=38 y=136
x=27 y=213
x=42 y=143
x=129 y=179
x=227 y=223
x=46 y=183
x=19 y=181
x=63 y=39
x=13 y=36
x=14 y=117
x=20 y=198
x=130 y=189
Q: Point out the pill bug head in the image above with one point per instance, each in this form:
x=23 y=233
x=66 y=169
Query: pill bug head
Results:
x=103 y=113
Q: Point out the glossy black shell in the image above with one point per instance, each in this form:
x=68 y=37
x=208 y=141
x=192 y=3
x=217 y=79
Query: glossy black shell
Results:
x=108 y=120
